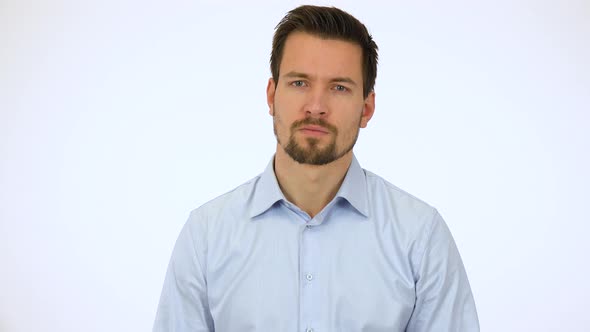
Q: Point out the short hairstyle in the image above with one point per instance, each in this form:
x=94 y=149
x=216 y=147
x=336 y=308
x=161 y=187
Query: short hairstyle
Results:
x=328 y=23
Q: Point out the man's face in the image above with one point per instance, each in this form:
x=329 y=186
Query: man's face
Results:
x=317 y=104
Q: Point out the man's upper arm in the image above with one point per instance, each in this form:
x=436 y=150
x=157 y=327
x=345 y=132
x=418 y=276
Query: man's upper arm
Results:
x=183 y=303
x=444 y=301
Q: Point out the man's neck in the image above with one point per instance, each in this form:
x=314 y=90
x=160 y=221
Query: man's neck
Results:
x=310 y=187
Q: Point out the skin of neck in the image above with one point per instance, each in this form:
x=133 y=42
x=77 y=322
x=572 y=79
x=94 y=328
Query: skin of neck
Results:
x=310 y=187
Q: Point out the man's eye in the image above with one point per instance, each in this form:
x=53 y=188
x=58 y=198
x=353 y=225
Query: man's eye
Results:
x=298 y=83
x=341 y=88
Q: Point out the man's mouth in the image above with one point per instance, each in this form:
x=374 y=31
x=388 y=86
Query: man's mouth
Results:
x=314 y=130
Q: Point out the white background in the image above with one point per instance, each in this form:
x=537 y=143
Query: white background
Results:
x=119 y=117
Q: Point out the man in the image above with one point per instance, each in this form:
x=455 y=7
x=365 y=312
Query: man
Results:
x=316 y=243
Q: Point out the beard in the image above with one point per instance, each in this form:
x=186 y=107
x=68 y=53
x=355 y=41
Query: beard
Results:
x=313 y=153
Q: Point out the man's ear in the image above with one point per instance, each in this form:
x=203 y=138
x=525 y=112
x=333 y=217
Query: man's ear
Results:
x=270 y=96
x=368 y=109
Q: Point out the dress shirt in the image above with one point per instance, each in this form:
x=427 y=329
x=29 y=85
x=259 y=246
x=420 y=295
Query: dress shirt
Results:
x=374 y=259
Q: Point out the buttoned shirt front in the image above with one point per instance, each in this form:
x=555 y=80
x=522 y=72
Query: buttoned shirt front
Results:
x=374 y=259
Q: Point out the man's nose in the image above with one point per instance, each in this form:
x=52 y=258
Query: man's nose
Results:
x=316 y=105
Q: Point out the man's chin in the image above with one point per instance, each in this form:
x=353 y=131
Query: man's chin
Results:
x=311 y=157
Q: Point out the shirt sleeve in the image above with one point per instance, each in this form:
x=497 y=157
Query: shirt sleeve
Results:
x=183 y=305
x=444 y=301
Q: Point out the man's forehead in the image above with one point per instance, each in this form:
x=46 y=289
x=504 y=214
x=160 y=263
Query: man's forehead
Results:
x=296 y=38
x=313 y=55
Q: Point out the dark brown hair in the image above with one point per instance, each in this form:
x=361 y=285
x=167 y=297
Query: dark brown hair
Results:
x=329 y=23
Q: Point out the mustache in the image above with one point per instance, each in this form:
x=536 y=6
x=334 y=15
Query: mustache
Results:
x=314 y=122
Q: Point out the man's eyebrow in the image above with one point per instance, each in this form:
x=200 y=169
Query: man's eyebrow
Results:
x=343 y=80
x=294 y=74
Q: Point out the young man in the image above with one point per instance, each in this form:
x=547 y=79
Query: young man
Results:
x=316 y=243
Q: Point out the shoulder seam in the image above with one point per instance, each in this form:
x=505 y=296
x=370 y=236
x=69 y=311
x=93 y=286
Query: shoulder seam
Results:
x=430 y=231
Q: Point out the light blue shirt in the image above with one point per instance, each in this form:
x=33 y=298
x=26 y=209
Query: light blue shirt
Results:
x=374 y=259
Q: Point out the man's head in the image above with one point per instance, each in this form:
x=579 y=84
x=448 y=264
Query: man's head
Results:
x=326 y=23
x=323 y=65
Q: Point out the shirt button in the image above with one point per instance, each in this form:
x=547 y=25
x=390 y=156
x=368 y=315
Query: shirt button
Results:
x=309 y=330
x=309 y=277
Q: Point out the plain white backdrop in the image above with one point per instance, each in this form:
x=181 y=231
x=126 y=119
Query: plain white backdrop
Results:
x=119 y=117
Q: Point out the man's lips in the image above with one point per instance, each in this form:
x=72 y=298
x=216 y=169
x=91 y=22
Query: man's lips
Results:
x=317 y=130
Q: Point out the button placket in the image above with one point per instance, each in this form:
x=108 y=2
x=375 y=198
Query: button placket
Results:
x=308 y=269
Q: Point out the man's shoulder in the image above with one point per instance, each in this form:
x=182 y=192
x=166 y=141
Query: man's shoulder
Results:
x=377 y=182
x=387 y=196
x=233 y=200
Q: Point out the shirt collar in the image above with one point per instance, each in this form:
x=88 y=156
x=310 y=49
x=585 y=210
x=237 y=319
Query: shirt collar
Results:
x=266 y=191
x=353 y=189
